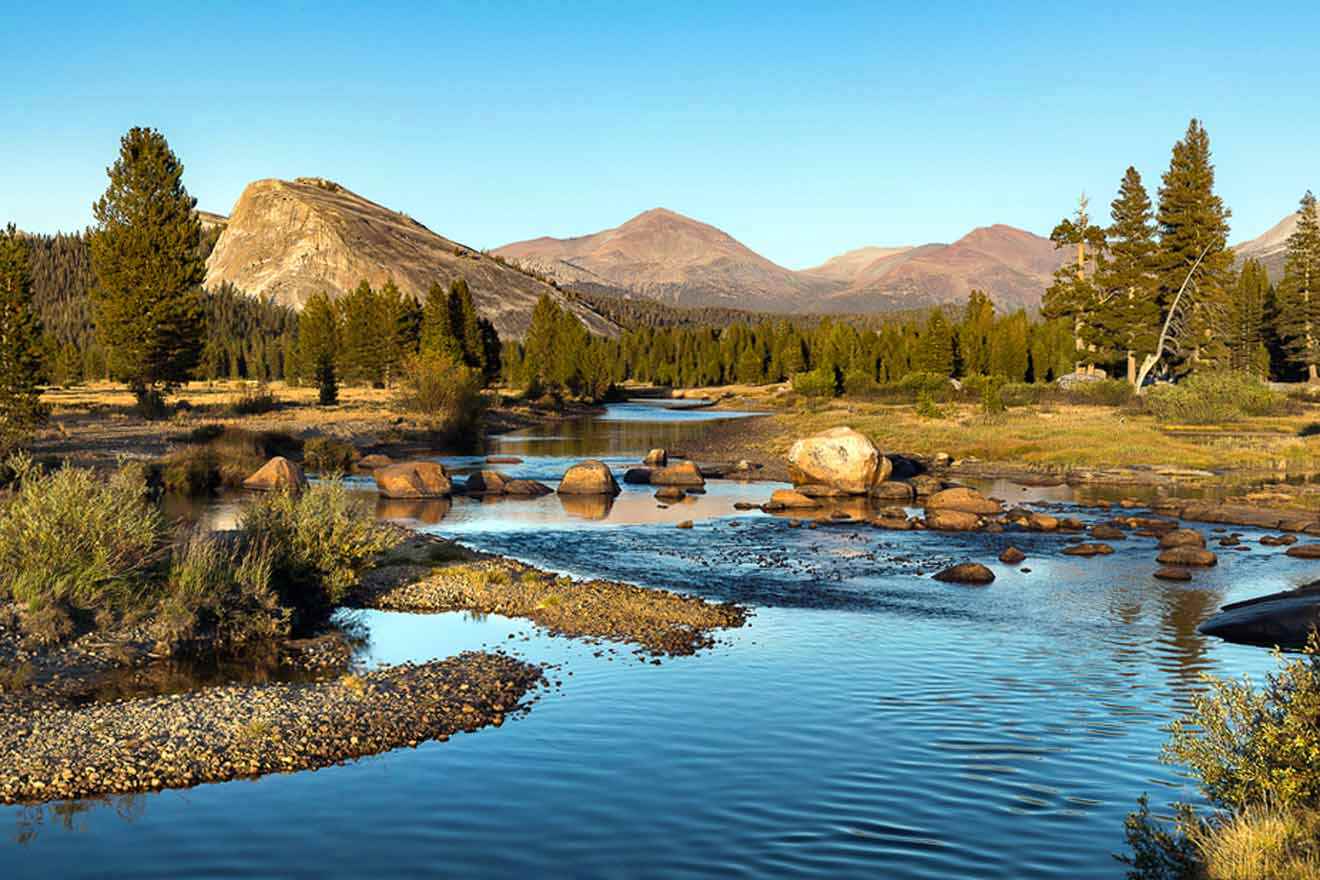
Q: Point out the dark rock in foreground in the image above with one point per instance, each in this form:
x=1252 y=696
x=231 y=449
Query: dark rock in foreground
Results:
x=1283 y=619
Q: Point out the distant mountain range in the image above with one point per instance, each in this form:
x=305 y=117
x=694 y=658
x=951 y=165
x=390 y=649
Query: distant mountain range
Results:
x=668 y=257
x=288 y=240
x=1270 y=247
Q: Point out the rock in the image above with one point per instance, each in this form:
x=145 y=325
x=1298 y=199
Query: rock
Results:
x=278 y=474
x=941 y=459
x=526 y=488
x=925 y=484
x=1304 y=551
x=413 y=479
x=368 y=463
x=1169 y=573
x=638 y=476
x=1072 y=524
x=1233 y=514
x=1012 y=556
x=656 y=458
x=1105 y=532
x=819 y=490
x=685 y=524
x=963 y=500
x=965 y=573
x=1186 y=555
x=1088 y=550
x=1284 y=619
x=685 y=473
x=952 y=521
x=1182 y=538
x=787 y=498
x=589 y=478
x=1278 y=540
x=898 y=524
x=891 y=490
x=1042 y=522
x=487 y=483
x=743 y=505
x=840 y=457
x=503 y=459
x=743 y=466
x=670 y=493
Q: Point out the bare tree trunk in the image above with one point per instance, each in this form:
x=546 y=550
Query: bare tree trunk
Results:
x=1165 y=335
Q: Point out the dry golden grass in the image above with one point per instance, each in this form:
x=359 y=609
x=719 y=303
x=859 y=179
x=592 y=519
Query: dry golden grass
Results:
x=1262 y=842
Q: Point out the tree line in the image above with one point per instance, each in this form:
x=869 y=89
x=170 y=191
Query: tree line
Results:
x=1156 y=292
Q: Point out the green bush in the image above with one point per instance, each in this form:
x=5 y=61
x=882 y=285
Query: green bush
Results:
x=1214 y=397
x=74 y=541
x=816 y=383
x=222 y=456
x=1021 y=394
x=1100 y=392
x=858 y=383
x=326 y=455
x=992 y=397
x=927 y=408
x=254 y=400
x=933 y=385
x=322 y=541
x=442 y=390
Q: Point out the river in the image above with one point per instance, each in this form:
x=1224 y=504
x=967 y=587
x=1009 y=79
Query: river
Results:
x=869 y=722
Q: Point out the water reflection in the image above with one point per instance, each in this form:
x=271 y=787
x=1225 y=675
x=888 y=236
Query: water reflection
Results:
x=72 y=816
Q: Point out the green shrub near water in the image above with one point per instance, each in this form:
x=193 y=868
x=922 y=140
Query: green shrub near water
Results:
x=1213 y=398
x=222 y=592
x=326 y=455
x=438 y=387
x=816 y=383
x=217 y=456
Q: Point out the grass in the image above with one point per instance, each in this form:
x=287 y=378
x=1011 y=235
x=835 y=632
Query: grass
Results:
x=1261 y=841
x=221 y=455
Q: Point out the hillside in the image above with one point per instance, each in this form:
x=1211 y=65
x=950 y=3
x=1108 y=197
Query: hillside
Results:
x=287 y=240
x=1270 y=247
x=674 y=259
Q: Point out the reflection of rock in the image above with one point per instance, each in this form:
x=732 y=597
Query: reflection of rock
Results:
x=425 y=510
x=787 y=498
x=277 y=474
x=1284 y=619
x=670 y=493
x=637 y=476
x=413 y=479
x=1171 y=573
x=587 y=506
x=964 y=500
x=589 y=478
x=966 y=573
x=840 y=457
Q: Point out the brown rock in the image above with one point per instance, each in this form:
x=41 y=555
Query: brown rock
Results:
x=1170 y=573
x=656 y=458
x=638 y=476
x=1186 y=555
x=1278 y=540
x=1304 y=551
x=787 y=498
x=526 y=488
x=413 y=479
x=1088 y=550
x=589 y=478
x=1042 y=522
x=278 y=474
x=892 y=490
x=964 y=500
x=487 y=483
x=925 y=484
x=685 y=524
x=1012 y=556
x=840 y=457
x=965 y=573
x=952 y=520
x=1105 y=532
x=898 y=524
x=1182 y=538
x=684 y=473
x=819 y=490
x=670 y=493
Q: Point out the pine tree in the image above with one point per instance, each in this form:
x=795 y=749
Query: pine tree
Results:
x=1128 y=314
x=149 y=269
x=464 y=323
x=327 y=383
x=318 y=334
x=1073 y=295
x=1246 y=324
x=362 y=356
x=1298 y=321
x=936 y=354
x=20 y=342
x=437 y=334
x=974 y=333
x=1193 y=224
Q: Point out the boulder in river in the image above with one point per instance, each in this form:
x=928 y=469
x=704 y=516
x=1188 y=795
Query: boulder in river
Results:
x=656 y=458
x=1094 y=549
x=278 y=474
x=413 y=479
x=952 y=521
x=1012 y=556
x=925 y=484
x=526 y=488
x=966 y=573
x=1107 y=532
x=1184 y=555
x=684 y=473
x=670 y=493
x=893 y=490
x=1304 y=551
x=787 y=498
x=964 y=500
x=487 y=483
x=1182 y=538
x=1284 y=619
x=840 y=457
x=589 y=478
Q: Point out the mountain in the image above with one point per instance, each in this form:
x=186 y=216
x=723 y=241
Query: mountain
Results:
x=290 y=239
x=1270 y=247
x=666 y=256
x=1011 y=265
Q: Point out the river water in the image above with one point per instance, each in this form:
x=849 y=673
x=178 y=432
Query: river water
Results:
x=869 y=722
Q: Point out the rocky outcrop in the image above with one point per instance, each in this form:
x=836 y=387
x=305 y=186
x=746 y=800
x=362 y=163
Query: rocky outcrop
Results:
x=278 y=474
x=589 y=478
x=287 y=240
x=413 y=479
x=840 y=458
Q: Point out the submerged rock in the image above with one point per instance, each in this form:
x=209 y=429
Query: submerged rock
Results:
x=963 y=500
x=842 y=458
x=787 y=498
x=589 y=478
x=1187 y=556
x=275 y=475
x=965 y=573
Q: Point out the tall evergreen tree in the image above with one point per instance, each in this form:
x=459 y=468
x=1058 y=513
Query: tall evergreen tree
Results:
x=20 y=341
x=362 y=357
x=148 y=265
x=936 y=354
x=974 y=334
x=1298 y=321
x=1072 y=296
x=437 y=332
x=466 y=327
x=1128 y=314
x=1193 y=224
x=1246 y=324
x=318 y=335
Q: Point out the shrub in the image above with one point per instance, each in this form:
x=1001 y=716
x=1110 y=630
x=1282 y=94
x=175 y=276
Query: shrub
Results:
x=858 y=383
x=992 y=399
x=1100 y=392
x=254 y=400
x=437 y=386
x=326 y=455
x=1020 y=394
x=322 y=541
x=933 y=385
x=220 y=592
x=74 y=541
x=927 y=408
x=816 y=383
x=1213 y=397
x=1261 y=841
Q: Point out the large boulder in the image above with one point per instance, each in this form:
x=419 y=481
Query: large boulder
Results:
x=1284 y=619
x=840 y=457
x=278 y=474
x=952 y=521
x=1197 y=556
x=413 y=479
x=964 y=500
x=487 y=483
x=684 y=473
x=589 y=478
x=965 y=573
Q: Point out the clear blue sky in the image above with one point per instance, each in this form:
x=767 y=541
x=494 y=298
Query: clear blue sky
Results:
x=801 y=131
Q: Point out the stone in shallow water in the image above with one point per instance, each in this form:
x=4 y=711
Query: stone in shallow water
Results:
x=1183 y=538
x=1088 y=550
x=1304 y=551
x=1187 y=556
x=1172 y=573
x=413 y=479
x=276 y=474
x=589 y=478
x=1012 y=556
x=965 y=573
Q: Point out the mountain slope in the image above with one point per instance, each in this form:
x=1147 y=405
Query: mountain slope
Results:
x=290 y=239
x=1270 y=247
x=1011 y=265
x=665 y=256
